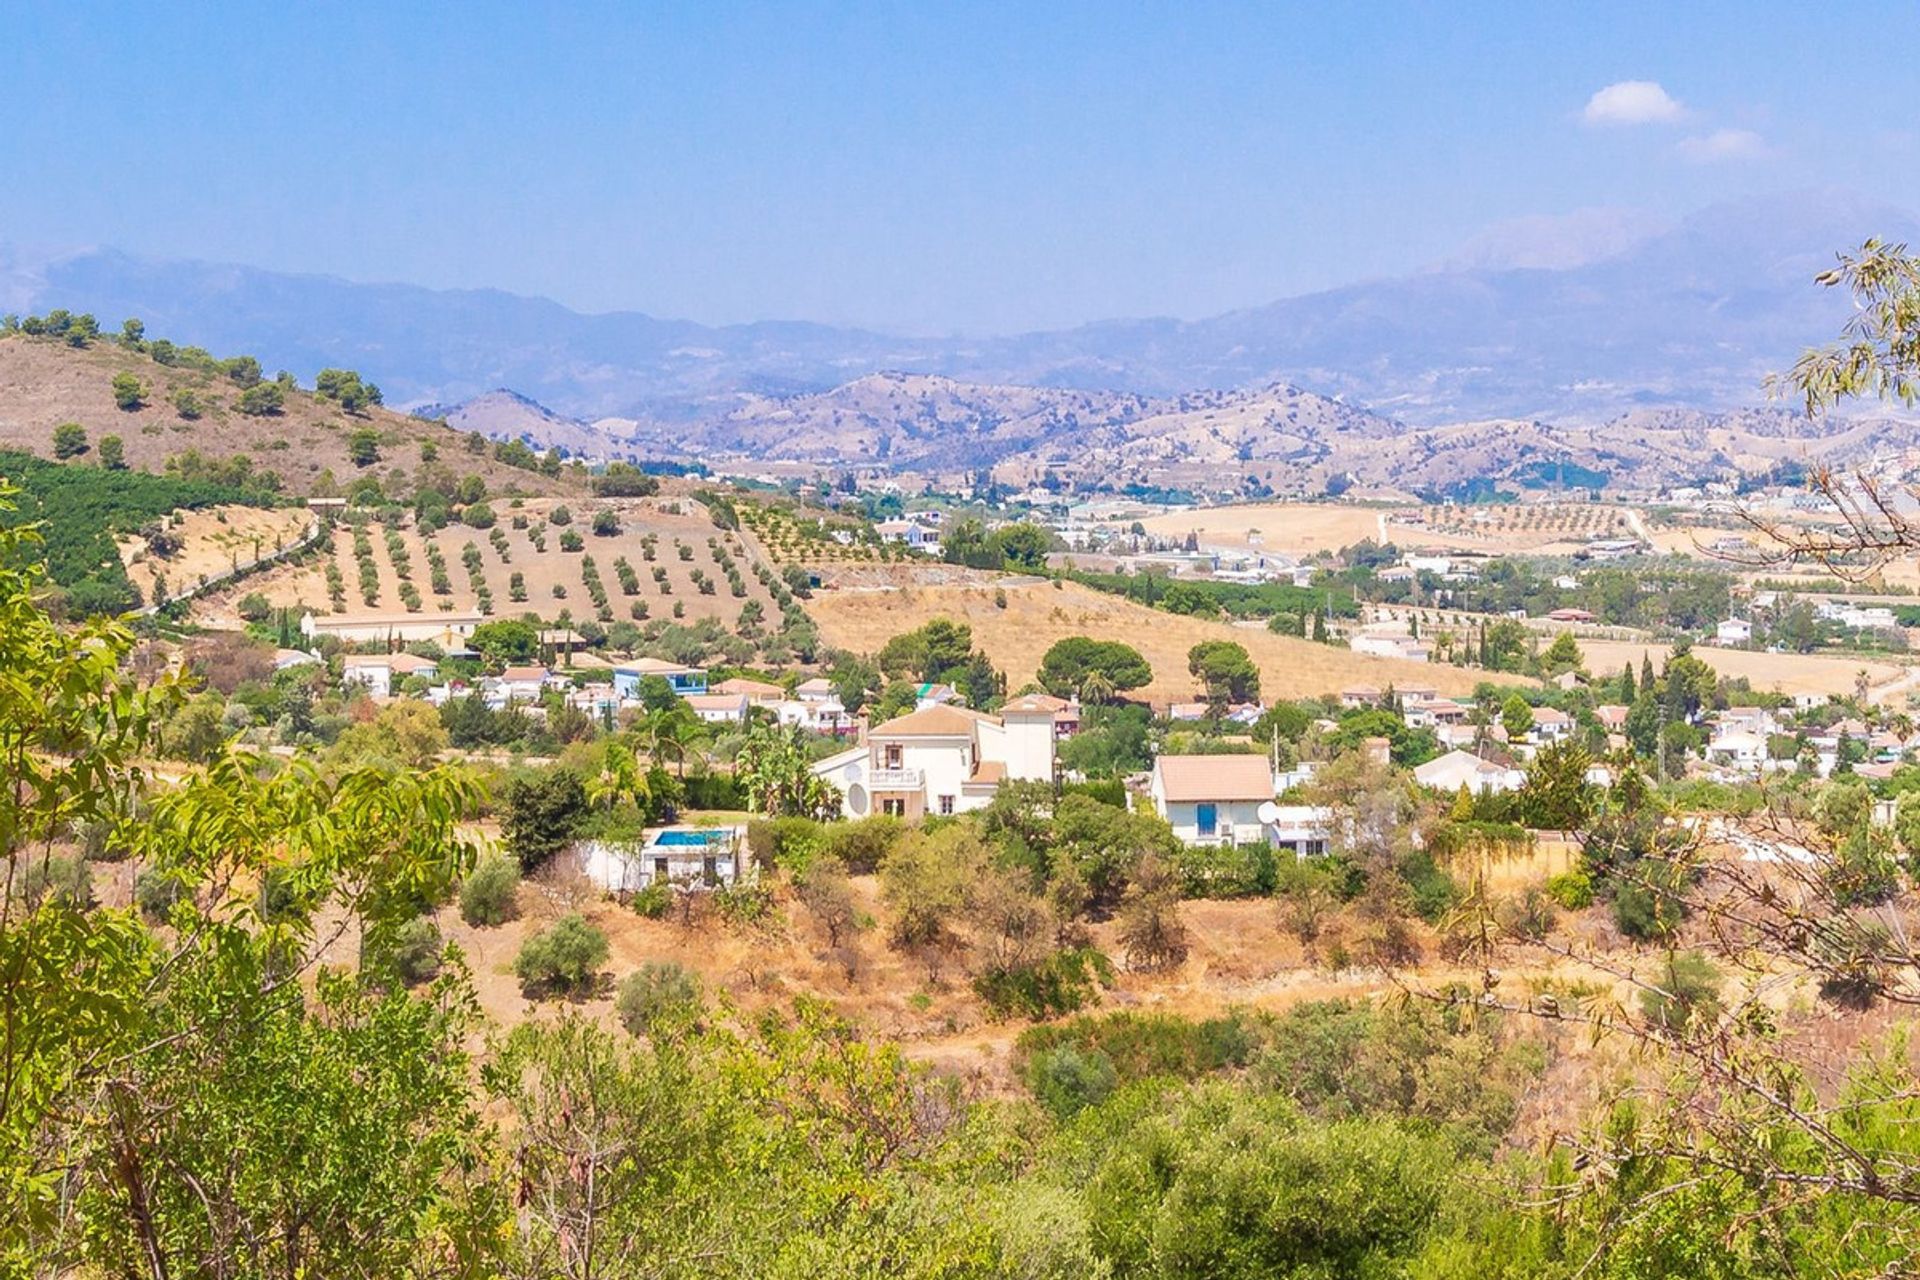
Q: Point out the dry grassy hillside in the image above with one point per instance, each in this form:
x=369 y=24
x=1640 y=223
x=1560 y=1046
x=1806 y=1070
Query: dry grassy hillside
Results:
x=1037 y=614
x=1770 y=672
x=44 y=382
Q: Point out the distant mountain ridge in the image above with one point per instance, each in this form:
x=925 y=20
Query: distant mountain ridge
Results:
x=1691 y=317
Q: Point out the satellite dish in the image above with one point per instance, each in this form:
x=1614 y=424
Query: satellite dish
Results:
x=1268 y=811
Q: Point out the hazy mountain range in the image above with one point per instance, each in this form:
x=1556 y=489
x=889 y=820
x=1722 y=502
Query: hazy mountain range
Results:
x=1694 y=315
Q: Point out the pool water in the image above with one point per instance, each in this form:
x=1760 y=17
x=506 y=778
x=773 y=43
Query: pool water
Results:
x=687 y=837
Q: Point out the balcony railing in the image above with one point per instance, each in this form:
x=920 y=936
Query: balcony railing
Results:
x=897 y=780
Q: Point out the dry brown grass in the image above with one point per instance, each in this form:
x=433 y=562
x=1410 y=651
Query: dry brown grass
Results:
x=44 y=383
x=214 y=541
x=1770 y=672
x=1037 y=614
x=1298 y=528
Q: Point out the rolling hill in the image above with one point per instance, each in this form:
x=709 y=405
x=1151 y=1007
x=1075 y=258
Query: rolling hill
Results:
x=44 y=382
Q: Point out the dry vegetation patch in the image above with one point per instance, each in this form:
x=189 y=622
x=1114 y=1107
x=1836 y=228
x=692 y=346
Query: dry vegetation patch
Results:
x=1036 y=614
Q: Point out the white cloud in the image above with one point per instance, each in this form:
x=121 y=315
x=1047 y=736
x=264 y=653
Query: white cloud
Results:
x=1722 y=145
x=1632 y=102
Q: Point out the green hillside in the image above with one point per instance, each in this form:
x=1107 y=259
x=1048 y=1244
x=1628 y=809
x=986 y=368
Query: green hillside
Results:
x=83 y=509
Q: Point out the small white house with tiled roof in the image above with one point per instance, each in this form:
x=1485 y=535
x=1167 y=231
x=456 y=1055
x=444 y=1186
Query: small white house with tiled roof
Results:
x=943 y=759
x=1211 y=800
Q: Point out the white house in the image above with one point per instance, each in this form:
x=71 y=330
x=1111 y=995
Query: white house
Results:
x=818 y=689
x=680 y=677
x=518 y=685
x=448 y=630
x=718 y=708
x=1458 y=769
x=1733 y=631
x=1738 y=749
x=911 y=532
x=759 y=693
x=379 y=671
x=942 y=759
x=684 y=857
x=1211 y=800
x=1302 y=828
x=1551 y=724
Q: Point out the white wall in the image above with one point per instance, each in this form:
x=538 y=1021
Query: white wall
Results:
x=1028 y=746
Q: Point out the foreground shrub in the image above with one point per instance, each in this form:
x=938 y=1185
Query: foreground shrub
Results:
x=1065 y=982
x=1066 y=1080
x=659 y=992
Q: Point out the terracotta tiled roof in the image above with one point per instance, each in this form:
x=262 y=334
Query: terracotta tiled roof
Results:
x=939 y=721
x=1034 y=703
x=1186 y=778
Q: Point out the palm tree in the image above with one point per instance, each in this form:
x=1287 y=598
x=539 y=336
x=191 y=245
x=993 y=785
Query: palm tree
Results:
x=620 y=778
x=1096 y=689
x=672 y=732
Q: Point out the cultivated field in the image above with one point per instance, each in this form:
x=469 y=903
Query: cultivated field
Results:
x=1297 y=528
x=664 y=541
x=1547 y=528
x=1037 y=614
x=1776 y=672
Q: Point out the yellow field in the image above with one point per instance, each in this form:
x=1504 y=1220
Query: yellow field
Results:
x=1037 y=614
x=214 y=541
x=1299 y=528
x=1777 y=672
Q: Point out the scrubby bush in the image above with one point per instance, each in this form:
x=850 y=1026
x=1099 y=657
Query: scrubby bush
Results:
x=155 y=892
x=1066 y=1080
x=490 y=894
x=68 y=880
x=1685 y=988
x=654 y=901
x=658 y=994
x=564 y=958
x=1572 y=890
x=416 y=951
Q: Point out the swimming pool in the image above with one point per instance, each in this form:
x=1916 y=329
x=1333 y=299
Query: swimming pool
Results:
x=688 y=837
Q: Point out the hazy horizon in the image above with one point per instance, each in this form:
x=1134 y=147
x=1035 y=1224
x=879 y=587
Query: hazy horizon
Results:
x=990 y=171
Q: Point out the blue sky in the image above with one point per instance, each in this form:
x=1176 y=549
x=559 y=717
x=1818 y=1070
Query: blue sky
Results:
x=925 y=167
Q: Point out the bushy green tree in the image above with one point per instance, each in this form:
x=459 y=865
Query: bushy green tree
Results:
x=69 y=440
x=489 y=894
x=565 y=957
x=129 y=393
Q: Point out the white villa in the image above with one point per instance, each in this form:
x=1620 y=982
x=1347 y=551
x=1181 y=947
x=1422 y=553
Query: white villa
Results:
x=1213 y=799
x=1458 y=769
x=944 y=759
x=448 y=630
x=379 y=671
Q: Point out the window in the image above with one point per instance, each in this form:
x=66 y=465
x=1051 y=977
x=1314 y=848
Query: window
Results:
x=893 y=755
x=659 y=869
x=1206 y=817
x=710 y=869
x=946 y=805
x=894 y=808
